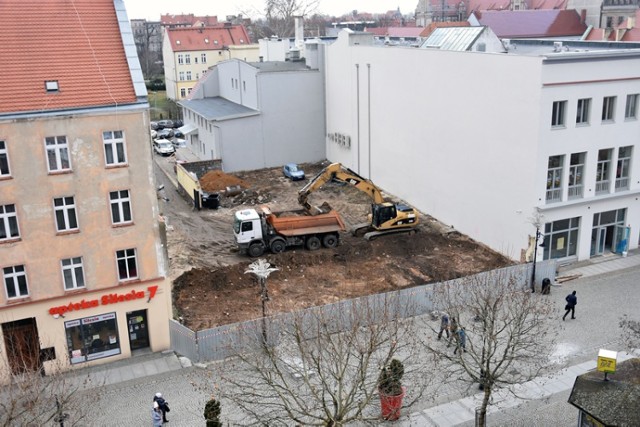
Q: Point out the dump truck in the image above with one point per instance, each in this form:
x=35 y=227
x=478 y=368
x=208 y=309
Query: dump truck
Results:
x=257 y=230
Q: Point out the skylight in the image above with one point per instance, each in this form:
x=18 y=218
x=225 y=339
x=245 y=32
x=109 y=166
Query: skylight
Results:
x=51 y=85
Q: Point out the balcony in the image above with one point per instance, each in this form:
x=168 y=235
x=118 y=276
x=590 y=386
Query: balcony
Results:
x=575 y=192
x=602 y=187
x=622 y=184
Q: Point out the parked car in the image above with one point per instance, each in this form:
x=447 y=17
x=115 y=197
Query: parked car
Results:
x=178 y=134
x=165 y=133
x=177 y=123
x=154 y=134
x=293 y=171
x=165 y=123
x=179 y=143
x=163 y=147
x=154 y=125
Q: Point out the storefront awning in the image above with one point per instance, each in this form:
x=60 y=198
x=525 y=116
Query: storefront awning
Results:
x=188 y=128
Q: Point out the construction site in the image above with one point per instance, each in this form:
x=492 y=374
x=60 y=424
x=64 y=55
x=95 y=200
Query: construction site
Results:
x=211 y=286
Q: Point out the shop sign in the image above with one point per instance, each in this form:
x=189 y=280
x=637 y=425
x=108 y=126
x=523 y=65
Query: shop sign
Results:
x=107 y=299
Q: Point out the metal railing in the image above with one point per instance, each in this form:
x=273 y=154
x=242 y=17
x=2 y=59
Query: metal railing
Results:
x=602 y=187
x=554 y=195
x=575 y=191
x=622 y=184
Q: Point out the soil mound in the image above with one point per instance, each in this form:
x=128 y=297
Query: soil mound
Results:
x=216 y=180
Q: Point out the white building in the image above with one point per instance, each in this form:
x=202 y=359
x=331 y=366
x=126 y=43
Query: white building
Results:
x=259 y=114
x=484 y=141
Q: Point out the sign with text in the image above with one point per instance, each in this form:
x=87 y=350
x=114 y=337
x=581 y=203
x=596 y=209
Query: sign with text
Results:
x=106 y=299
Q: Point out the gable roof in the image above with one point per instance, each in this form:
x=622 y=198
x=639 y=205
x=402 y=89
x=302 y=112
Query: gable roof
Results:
x=206 y=38
x=78 y=44
x=533 y=23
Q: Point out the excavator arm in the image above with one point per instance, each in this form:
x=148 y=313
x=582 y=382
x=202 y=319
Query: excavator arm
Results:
x=339 y=173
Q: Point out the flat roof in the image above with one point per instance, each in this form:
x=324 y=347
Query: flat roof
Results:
x=217 y=108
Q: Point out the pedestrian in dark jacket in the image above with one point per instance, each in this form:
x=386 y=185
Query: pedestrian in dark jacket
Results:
x=572 y=301
x=453 y=327
x=444 y=326
x=163 y=405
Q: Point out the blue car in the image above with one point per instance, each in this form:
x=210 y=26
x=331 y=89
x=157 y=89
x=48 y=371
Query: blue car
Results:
x=291 y=170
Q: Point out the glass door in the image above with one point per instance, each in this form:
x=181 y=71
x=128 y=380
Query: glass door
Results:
x=138 y=330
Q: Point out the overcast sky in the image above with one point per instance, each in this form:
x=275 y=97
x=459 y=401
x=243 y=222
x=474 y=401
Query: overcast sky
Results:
x=151 y=10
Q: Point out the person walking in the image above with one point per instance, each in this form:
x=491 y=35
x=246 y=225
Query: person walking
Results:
x=444 y=326
x=163 y=405
x=156 y=415
x=462 y=341
x=572 y=301
x=453 y=327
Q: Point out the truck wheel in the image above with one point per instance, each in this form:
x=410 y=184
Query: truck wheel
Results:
x=313 y=243
x=277 y=246
x=256 y=249
x=330 y=241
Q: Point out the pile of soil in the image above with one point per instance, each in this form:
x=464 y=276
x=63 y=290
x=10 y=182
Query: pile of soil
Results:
x=216 y=180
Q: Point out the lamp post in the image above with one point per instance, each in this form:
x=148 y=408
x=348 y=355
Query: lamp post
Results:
x=262 y=269
x=535 y=256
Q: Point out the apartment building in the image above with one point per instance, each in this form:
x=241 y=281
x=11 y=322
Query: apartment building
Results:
x=485 y=142
x=189 y=52
x=83 y=268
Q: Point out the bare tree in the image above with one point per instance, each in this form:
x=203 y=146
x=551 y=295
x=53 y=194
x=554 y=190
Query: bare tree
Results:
x=324 y=369
x=35 y=397
x=508 y=332
x=279 y=14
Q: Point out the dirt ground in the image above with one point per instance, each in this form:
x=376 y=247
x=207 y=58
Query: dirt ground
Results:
x=210 y=284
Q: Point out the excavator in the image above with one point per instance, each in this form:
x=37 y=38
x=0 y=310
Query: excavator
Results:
x=385 y=217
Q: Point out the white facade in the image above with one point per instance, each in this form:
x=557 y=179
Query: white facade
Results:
x=257 y=115
x=467 y=138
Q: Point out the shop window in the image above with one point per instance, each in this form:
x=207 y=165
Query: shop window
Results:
x=92 y=338
x=561 y=238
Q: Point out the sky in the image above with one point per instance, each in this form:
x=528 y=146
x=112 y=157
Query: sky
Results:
x=151 y=10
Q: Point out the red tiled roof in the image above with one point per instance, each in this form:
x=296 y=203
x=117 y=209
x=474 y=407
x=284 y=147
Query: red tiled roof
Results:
x=188 y=39
x=76 y=43
x=395 y=31
x=187 y=20
x=533 y=23
x=451 y=6
x=632 y=35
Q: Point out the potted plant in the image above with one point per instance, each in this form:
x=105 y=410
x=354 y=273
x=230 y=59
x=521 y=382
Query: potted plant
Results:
x=391 y=390
x=212 y=413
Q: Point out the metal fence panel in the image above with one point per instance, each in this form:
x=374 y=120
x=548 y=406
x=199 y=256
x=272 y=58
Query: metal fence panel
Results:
x=224 y=341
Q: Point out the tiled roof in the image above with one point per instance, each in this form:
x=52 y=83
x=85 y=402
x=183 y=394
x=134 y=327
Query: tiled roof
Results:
x=452 y=6
x=206 y=38
x=395 y=31
x=533 y=23
x=187 y=20
x=76 y=43
x=431 y=27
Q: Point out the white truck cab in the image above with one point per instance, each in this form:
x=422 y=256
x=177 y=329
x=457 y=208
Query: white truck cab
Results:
x=247 y=226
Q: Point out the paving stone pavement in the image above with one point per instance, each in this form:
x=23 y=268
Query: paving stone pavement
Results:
x=128 y=386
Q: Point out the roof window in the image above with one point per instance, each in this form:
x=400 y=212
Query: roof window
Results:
x=51 y=85
x=177 y=41
x=241 y=41
x=215 y=42
x=206 y=40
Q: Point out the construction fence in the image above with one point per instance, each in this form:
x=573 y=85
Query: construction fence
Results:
x=224 y=341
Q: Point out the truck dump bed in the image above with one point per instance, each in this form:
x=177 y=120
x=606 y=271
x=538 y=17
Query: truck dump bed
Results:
x=296 y=223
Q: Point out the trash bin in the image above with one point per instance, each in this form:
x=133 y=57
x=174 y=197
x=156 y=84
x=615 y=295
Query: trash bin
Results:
x=546 y=286
x=210 y=200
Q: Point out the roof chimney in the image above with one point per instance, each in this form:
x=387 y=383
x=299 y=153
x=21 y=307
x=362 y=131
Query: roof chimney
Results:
x=299 y=28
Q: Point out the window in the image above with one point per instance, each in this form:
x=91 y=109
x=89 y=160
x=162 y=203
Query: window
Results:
x=203 y=58
x=183 y=92
x=8 y=222
x=561 y=238
x=51 y=85
x=624 y=165
x=557 y=115
x=180 y=58
x=187 y=58
x=15 y=282
x=72 y=273
x=188 y=75
x=195 y=59
x=608 y=107
x=57 y=153
x=631 y=109
x=181 y=75
x=576 y=168
x=114 y=148
x=127 y=266
x=554 y=179
x=4 y=160
x=582 y=114
x=120 y=207
x=92 y=338
x=65 y=210
x=189 y=90
x=602 y=172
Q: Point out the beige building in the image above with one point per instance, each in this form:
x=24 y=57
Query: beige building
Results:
x=189 y=52
x=82 y=263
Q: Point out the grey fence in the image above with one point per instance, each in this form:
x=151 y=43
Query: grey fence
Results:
x=223 y=341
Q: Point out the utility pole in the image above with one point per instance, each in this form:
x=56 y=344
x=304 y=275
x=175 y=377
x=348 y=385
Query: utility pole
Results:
x=262 y=269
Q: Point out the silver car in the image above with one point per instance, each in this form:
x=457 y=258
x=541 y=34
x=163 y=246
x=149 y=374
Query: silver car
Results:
x=163 y=147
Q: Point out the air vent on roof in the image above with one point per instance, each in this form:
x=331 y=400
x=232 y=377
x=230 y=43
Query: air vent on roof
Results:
x=51 y=85
x=206 y=40
x=177 y=41
x=215 y=42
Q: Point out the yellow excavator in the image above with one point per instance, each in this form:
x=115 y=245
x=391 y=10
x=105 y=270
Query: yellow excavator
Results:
x=385 y=217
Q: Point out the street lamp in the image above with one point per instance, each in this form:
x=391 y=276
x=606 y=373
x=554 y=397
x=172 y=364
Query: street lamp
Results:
x=538 y=221
x=262 y=269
